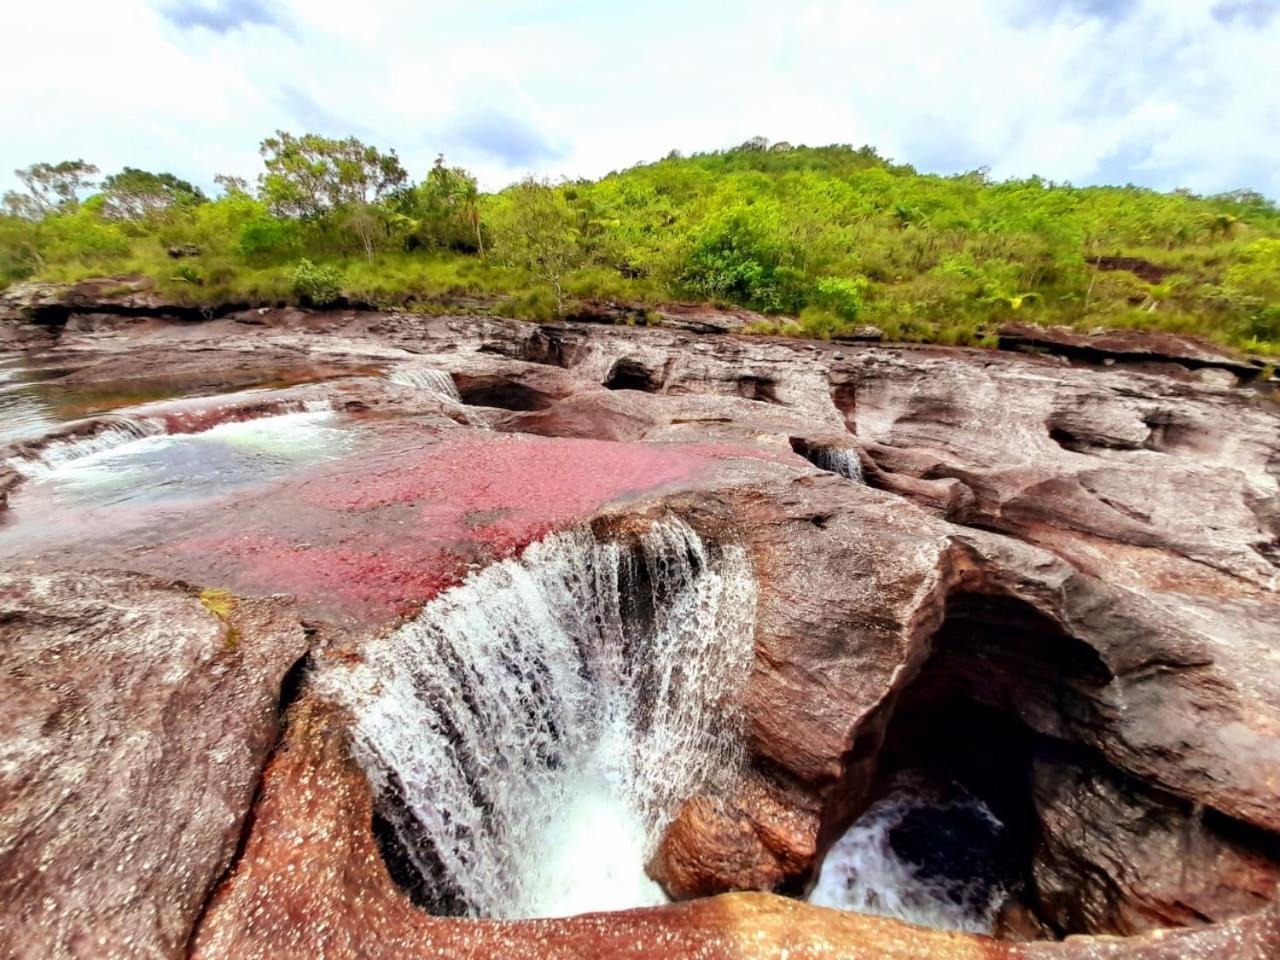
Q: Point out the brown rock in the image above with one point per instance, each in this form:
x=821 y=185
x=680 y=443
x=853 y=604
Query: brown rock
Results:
x=1061 y=561
x=1117 y=858
x=134 y=724
x=759 y=839
x=1140 y=346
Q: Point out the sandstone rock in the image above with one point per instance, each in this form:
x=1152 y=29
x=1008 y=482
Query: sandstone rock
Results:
x=135 y=723
x=52 y=305
x=1127 y=345
x=311 y=883
x=1118 y=859
x=1060 y=561
x=761 y=839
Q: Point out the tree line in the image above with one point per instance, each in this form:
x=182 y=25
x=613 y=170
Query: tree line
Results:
x=820 y=238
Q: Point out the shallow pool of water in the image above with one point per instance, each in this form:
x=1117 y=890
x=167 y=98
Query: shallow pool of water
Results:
x=196 y=465
x=23 y=412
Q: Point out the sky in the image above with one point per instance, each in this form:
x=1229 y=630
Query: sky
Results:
x=1164 y=93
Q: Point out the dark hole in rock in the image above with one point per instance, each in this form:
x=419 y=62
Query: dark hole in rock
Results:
x=500 y=393
x=1170 y=432
x=957 y=841
x=842 y=461
x=628 y=374
x=1080 y=440
x=951 y=835
x=292 y=682
x=994 y=809
x=758 y=388
x=546 y=345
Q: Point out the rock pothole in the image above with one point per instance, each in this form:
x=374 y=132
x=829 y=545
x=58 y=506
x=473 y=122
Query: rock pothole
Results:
x=993 y=810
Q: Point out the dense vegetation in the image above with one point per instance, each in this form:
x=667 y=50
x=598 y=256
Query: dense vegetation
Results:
x=822 y=239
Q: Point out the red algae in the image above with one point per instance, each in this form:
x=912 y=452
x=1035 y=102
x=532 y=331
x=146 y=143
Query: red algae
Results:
x=359 y=578
x=373 y=535
x=380 y=536
x=504 y=491
x=512 y=471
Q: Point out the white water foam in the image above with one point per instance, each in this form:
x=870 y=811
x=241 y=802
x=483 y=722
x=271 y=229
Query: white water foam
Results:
x=113 y=432
x=531 y=732
x=58 y=454
x=863 y=872
x=142 y=467
x=426 y=378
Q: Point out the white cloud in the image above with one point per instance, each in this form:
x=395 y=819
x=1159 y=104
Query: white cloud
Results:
x=1162 y=92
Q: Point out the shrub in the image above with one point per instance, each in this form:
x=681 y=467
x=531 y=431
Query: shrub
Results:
x=265 y=236
x=842 y=296
x=187 y=274
x=315 y=284
x=735 y=257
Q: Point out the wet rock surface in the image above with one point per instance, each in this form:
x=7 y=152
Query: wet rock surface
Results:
x=1058 y=587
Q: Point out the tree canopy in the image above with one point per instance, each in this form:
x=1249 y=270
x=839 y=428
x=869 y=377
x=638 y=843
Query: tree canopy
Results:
x=310 y=175
x=137 y=194
x=49 y=187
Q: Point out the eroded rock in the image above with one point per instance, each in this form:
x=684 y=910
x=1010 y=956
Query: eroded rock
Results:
x=135 y=723
x=1117 y=858
x=1060 y=561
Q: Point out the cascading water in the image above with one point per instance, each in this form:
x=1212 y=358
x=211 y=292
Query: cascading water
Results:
x=114 y=432
x=933 y=859
x=843 y=461
x=135 y=461
x=426 y=378
x=59 y=453
x=530 y=733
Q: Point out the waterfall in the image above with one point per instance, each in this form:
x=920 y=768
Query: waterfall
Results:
x=841 y=460
x=58 y=453
x=931 y=859
x=530 y=734
x=426 y=378
x=118 y=430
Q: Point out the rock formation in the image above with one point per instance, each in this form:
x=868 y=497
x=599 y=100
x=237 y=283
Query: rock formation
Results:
x=1058 y=586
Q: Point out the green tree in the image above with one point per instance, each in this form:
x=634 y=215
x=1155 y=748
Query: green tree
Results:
x=447 y=207
x=536 y=229
x=331 y=182
x=135 y=194
x=50 y=187
x=310 y=175
x=232 y=185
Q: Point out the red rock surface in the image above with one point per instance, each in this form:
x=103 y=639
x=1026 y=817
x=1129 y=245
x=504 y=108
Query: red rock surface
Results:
x=134 y=723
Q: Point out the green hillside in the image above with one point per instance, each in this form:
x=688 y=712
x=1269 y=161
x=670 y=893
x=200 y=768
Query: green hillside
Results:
x=822 y=239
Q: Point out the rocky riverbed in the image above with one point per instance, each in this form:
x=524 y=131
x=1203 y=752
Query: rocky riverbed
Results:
x=988 y=640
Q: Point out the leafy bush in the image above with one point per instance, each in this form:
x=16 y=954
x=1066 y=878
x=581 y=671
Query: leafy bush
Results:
x=735 y=257
x=266 y=236
x=819 y=237
x=315 y=284
x=842 y=296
